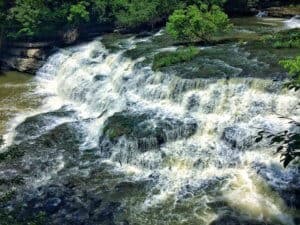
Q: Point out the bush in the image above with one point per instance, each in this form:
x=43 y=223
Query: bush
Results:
x=293 y=67
x=285 y=39
x=78 y=13
x=134 y=13
x=164 y=59
x=197 y=23
x=28 y=17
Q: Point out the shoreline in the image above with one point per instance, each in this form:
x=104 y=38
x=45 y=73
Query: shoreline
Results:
x=29 y=56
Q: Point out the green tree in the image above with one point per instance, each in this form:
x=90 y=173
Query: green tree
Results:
x=29 y=17
x=197 y=23
x=101 y=11
x=207 y=2
x=78 y=13
x=136 y=13
x=38 y=18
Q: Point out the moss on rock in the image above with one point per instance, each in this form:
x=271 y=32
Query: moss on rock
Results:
x=164 y=59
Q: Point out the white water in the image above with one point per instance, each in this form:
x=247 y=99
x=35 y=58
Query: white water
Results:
x=293 y=22
x=94 y=82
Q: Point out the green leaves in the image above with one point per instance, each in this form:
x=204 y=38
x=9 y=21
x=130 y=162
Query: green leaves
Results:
x=78 y=13
x=293 y=67
x=39 y=18
x=197 y=23
x=288 y=142
x=28 y=16
x=285 y=39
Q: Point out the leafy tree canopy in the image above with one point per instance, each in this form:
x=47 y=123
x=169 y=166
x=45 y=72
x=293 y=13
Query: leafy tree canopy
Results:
x=35 y=18
x=197 y=23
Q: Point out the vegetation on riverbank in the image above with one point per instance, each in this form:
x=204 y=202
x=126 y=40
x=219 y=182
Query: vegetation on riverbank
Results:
x=38 y=19
x=285 y=39
x=293 y=67
x=28 y=19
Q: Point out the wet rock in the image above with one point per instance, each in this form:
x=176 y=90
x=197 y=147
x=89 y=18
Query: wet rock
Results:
x=193 y=103
x=64 y=136
x=52 y=205
x=125 y=186
x=257 y=107
x=237 y=137
x=35 y=125
x=226 y=220
x=79 y=217
x=13 y=152
x=1 y=140
x=100 y=77
x=30 y=65
x=285 y=181
x=237 y=220
x=124 y=223
x=146 y=130
x=37 y=53
x=108 y=212
x=70 y=36
x=31 y=127
x=144 y=34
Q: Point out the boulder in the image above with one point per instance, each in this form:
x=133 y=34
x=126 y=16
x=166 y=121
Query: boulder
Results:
x=238 y=137
x=37 y=53
x=30 y=65
x=70 y=36
x=146 y=130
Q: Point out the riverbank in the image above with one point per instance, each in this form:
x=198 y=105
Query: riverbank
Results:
x=29 y=56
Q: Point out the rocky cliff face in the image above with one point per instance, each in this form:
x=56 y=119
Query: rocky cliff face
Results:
x=30 y=56
x=25 y=56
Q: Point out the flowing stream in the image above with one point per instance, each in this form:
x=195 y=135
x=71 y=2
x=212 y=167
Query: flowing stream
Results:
x=115 y=142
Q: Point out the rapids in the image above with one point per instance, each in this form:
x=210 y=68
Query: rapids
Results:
x=293 y=22
x=116 y=143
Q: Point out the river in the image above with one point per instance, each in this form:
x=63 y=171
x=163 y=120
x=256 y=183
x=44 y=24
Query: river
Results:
x=98 y=137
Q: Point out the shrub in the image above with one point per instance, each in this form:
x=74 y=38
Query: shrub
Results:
x=164 y=59
x=285 y=39
x=28 y=16
x=197 y=23
x=293 y=67
x=78 y=13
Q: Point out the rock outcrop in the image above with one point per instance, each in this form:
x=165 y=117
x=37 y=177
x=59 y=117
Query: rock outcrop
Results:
x=29 y=56
x=278 y=8
x=288 y=11
x=25 y=56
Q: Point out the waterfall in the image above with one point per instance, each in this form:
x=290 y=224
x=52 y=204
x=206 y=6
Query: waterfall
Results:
x=193 y=138
x=262 y=14
x=294 y=22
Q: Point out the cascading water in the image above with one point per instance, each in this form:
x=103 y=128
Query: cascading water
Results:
x=117 y=143
x=294 y=22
